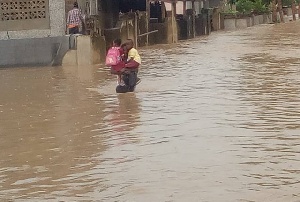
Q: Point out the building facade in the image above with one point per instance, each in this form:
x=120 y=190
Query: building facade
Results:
x=31 y=19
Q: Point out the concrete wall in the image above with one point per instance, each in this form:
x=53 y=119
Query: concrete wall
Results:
x=216 y=19
x=98 y=49
x=267 y=18
x=57 y=24
x=159 y=37
x=129 y=26
x=89 y=50
x=33 y=52
x=201 y=25
x=172 y=30
x=241 y=23
x=230 y=24
x=214 y=3
x=125 y=29
x=39 y=46
x=143 y=27
x=250 y=22
x=183 y=23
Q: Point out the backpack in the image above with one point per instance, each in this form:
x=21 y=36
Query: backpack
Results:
x=113 y=56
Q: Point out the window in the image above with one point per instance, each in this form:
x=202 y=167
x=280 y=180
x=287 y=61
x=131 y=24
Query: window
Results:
x=24 y=15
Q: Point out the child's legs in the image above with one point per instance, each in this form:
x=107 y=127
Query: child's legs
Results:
x=120 y=79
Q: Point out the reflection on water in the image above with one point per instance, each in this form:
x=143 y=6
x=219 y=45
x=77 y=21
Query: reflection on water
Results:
x=214 y=119
x=271 y=85
x=122 y=117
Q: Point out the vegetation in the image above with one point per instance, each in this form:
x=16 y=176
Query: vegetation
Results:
x=287 y=2
x=259 y=7
x=246 y=7
x=232 y=11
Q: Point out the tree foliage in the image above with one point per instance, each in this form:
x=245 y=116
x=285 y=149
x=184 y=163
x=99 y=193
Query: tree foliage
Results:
x=244 y=6
x=252 y=6
x=259 y=7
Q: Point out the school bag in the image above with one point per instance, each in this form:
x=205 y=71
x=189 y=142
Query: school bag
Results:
x=113 y=56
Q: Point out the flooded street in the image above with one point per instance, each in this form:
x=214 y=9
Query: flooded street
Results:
x=214 y=119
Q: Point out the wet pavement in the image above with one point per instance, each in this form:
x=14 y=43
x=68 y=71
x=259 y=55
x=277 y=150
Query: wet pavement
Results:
x=216 y=118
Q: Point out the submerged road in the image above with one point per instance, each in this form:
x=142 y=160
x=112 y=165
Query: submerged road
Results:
x=214 y=119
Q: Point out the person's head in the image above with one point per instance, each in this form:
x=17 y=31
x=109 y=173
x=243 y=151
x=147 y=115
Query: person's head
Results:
x=75 y=4
x=129 y=44
x=117 y=42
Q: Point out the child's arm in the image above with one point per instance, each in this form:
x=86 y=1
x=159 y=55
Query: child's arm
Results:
x=130 y=59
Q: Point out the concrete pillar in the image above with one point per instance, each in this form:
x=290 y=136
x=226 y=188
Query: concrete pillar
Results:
x=88 y=51
x=136 y=32
x=206 y=4
x=174 y=23
x=201 y=5
x=193 y=19
x=84 y=50
x=184 y=7
x=216 y=19
x=147 y=20
x=174 y=8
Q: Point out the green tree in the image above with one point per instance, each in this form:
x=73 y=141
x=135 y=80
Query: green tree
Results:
x=259 y=7
x=244 y=6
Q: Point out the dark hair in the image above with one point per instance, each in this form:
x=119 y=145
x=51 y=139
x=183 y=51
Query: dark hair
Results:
x=130 y=41
x=75 y=4
x=118 y=42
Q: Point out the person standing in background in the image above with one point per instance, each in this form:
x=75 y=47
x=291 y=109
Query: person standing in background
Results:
x=74 y=19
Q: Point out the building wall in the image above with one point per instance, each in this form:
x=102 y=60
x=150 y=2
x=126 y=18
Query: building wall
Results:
x=215 y=3
x=32 y=19
x=179 y=7
x=33 y=52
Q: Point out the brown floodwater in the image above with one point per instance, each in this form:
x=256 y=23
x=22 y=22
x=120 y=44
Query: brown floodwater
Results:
x=214 y=119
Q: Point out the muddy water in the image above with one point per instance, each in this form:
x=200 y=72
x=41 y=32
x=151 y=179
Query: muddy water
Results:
x=214 y=119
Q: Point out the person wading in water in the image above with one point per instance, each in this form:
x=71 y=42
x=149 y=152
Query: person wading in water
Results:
x=133 y=60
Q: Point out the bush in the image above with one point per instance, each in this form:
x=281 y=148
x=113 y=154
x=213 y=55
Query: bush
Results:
x=244 y=6
x=230 y=11
x=259 y=7
x=255 y=6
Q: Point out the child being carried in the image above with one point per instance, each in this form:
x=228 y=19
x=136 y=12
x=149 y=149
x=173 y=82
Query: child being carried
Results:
x=115 y=59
